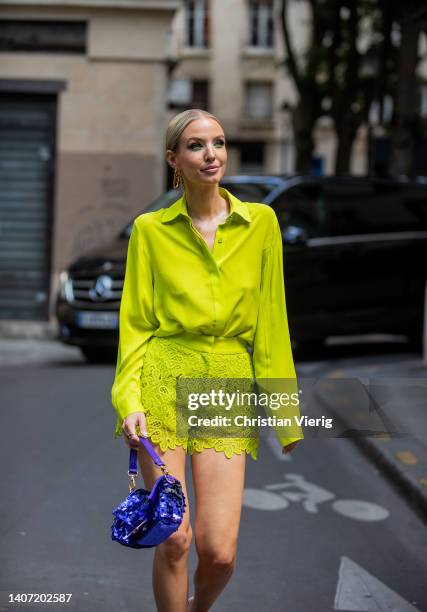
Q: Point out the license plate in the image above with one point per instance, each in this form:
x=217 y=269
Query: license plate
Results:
x=98 y=320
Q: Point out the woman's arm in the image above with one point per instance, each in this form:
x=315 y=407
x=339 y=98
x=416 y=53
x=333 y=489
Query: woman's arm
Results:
x=136 y=326
x=272 y=352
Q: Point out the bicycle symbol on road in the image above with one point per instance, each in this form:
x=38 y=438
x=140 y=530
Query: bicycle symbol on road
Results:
x=296 y=488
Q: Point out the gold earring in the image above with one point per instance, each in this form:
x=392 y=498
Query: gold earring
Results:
x=177 y=180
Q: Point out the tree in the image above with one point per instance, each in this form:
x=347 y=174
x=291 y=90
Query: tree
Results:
x=340 y=77
x=328 y=79
x=308 y=108
x=405 y=126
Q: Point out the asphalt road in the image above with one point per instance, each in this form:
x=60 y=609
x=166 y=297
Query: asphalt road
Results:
x=321 y=529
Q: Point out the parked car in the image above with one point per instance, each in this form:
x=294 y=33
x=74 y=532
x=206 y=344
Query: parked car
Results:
x=88 y=300
x=355 y=253
x=355 y=256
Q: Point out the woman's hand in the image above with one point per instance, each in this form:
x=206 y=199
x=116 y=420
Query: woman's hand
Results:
x=129 y=425
x=289 y=447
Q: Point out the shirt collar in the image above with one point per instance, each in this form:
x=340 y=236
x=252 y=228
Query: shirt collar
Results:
x=180 y=207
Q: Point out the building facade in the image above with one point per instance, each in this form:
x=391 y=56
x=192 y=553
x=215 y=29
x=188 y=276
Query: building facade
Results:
x=230 y=62
x=86 y=90
x=82 y=117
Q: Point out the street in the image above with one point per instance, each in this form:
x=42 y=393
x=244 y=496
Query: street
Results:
x=224 y=179
x=322 y=529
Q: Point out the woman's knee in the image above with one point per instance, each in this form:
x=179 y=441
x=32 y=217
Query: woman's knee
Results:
x=220 y=558
x=178 y=544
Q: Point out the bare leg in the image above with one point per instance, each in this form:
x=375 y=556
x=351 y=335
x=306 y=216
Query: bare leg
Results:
x=218 y=485
x=170 y=570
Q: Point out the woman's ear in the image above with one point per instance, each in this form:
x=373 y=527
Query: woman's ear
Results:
x=170 y=158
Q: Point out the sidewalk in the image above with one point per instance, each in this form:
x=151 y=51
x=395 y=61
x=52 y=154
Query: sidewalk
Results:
x=22 y=352
x=395 y=398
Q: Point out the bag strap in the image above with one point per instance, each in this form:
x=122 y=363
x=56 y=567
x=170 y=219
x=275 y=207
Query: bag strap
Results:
x=133 y=464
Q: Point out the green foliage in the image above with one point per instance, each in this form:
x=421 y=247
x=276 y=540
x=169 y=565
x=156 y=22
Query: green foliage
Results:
x=352 y=59
x=338 y=61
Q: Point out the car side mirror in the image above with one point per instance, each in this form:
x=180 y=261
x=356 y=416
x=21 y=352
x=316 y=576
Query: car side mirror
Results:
x=292 y=234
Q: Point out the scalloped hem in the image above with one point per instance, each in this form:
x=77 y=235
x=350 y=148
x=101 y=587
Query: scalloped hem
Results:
x=166 y=439
x=228 y=446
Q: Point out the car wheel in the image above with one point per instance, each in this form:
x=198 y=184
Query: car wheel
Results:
x=98 y=354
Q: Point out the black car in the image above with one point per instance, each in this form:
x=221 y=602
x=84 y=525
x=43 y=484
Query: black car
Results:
x=355 y=256
x=355 y=261
x=88 y=301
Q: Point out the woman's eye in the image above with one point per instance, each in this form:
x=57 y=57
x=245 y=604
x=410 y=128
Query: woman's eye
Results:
x=195 y=146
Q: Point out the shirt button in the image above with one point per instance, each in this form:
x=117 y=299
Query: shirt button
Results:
x=219 y=239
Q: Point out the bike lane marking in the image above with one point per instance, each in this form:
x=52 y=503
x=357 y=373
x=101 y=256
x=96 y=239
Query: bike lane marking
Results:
x=295 y=488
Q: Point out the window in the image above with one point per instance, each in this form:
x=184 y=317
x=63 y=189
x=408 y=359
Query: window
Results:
x=42 y=36
x=261 y=31
x=413 y=207
x=197 y=23
x=375 y=207
x=251 y=157
x=423 y=100
x=304 y=207
x=353 y=208
x=185 y=93
x=200 y=95
x=248 y=192
x=179 y=93
x=343 y=208
x=259 y=100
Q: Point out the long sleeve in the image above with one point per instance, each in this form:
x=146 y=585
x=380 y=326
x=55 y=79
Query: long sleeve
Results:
x=136 y=325
x=272 y=351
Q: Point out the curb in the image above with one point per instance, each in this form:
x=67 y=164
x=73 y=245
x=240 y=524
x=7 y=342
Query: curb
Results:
x=404 y=460
x=28 y=330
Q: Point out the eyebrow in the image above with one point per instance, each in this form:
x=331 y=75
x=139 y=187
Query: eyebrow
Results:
x=202 y=139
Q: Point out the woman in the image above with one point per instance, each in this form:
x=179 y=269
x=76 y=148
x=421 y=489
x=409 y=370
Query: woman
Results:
x=203 y=286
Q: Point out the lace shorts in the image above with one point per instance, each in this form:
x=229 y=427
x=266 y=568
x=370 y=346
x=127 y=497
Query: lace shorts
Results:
x=164 y=361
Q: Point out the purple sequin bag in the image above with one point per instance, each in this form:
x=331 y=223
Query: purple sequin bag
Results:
x=145 y=519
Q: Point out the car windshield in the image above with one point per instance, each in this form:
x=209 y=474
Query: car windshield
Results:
x=163 y=201
x=248 y=190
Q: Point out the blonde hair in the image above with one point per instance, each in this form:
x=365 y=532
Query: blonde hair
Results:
x=179 y=122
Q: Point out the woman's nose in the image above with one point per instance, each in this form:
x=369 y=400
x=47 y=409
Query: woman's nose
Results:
x=210 y=153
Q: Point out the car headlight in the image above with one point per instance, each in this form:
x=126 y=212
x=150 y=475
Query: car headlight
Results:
x=66 y=287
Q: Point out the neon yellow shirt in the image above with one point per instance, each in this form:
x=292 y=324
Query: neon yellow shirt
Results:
x=176 y=286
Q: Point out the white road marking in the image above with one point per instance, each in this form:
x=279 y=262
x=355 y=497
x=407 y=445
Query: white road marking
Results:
x=309 y=494
x=358 y=590
x=263 y=500
x=360 y=510
x=295 y=488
